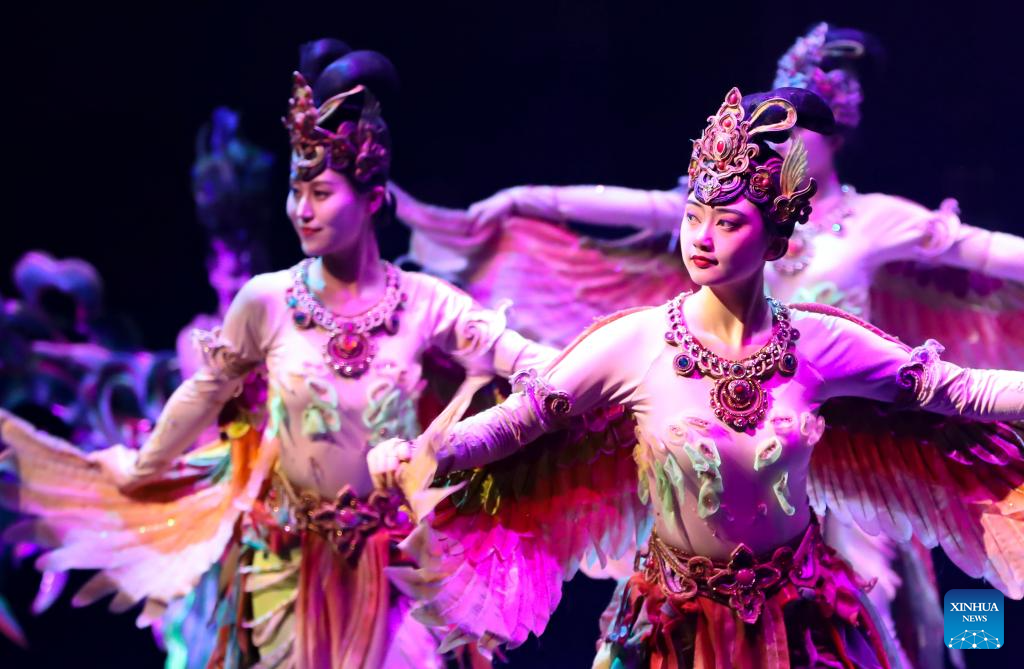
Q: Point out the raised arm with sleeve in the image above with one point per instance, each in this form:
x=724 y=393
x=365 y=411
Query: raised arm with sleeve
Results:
x=603 y=367
x=653 y=211
x=228 y=355
x=478 y=338
x=855 y=361
x=996 y=254
x=904 y=230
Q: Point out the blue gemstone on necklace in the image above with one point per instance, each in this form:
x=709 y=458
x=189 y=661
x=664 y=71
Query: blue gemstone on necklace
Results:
x=684 y=364
x=787 y=365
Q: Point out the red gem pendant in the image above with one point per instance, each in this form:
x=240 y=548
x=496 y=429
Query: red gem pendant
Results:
x=739 y=403
x=349 y=353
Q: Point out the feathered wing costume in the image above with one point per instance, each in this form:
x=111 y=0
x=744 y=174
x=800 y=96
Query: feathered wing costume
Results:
x=913 y=272
x=279 y=523
x=557 y=280
x=492 y=553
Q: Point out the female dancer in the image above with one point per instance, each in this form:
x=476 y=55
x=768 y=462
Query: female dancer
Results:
x=289 y=521
x=913 y=272
x=748 y=412
x=865 y=253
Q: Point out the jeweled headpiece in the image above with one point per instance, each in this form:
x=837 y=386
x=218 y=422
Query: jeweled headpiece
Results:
x=800 y=67
x=728 y=162
x=357 y=148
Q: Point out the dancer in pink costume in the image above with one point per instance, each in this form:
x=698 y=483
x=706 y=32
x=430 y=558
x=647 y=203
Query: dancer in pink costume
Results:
x=914 y=272
x=289 y=517
x=749 y=414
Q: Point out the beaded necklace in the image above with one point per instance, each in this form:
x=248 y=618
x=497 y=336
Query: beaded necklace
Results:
x=737 y=398
x=350 y=348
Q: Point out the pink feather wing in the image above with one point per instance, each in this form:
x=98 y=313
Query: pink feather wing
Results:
x=979 y=319
x=494 y=554
x=948 y=482
x=152 y=544
x=561 y=282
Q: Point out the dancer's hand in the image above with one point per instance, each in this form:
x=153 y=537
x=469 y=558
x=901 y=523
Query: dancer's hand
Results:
x=493 y=210
x=118 y=466
x=386 y=459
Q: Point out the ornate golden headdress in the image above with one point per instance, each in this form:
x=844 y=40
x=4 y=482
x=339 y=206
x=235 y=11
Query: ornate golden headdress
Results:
x=358 y=148
x=727 y=163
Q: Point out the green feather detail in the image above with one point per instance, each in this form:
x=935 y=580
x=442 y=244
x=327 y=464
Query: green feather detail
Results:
x=675 y=476
x=665 y=496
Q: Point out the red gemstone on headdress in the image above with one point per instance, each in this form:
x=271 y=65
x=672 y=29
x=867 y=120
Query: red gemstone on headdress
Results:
x=721 y=165
x=347 y=517
x=720 y=146
x=745 y=577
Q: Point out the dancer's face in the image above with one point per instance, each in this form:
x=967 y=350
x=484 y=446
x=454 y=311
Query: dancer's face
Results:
x=821 y=152
x=724 y=244
x=329 y=215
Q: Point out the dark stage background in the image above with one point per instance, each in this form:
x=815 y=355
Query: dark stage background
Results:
x=106 y=104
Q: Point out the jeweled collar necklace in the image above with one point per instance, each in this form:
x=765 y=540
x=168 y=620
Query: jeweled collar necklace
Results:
x=350 y=348
x=737 y=398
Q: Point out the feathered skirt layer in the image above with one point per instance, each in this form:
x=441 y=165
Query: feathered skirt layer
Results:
x=236 y=568
x=305 y=588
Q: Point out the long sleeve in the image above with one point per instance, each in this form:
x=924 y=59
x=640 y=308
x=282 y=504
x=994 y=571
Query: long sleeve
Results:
x=900 y=229
x=654 y=211
x=446 y=240
x=478 y=338
x=855 y=361
x=996 y=254
x=228 y=356
x=604 y=367
x=442 y=239
x=904 y=230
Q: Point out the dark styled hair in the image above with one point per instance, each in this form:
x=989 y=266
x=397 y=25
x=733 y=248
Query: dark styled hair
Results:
x=331 y=67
